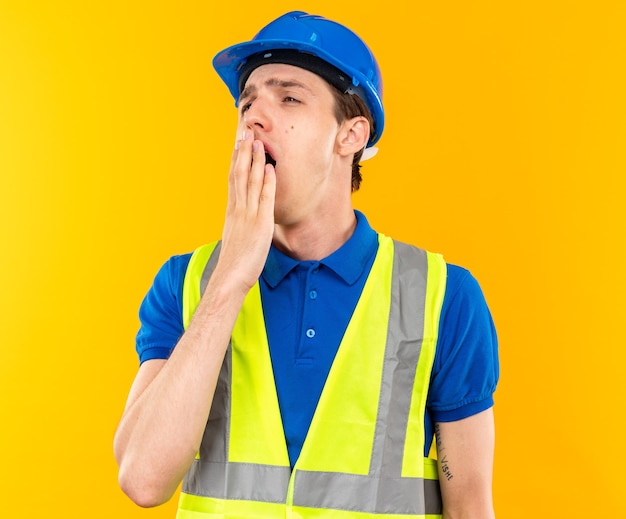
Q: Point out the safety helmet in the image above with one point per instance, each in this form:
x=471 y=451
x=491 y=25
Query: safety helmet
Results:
x=310 y=42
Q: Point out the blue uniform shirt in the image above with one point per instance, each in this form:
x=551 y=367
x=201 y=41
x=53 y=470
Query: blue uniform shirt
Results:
x=307 y=306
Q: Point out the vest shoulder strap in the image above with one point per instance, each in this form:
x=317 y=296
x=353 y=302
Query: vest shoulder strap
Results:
x=197 y=276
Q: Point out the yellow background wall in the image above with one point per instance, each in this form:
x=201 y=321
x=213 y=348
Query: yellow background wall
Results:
x=504 y=149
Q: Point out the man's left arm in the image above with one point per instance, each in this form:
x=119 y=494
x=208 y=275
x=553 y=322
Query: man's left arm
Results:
x=465 y=451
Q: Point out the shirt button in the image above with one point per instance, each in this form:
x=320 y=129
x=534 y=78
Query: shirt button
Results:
x=313 y=294
x=310 y=333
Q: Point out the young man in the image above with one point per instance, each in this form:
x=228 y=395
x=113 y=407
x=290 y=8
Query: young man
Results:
x=300 y=366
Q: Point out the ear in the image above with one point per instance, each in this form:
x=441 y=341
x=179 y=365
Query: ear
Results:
x=353 y=135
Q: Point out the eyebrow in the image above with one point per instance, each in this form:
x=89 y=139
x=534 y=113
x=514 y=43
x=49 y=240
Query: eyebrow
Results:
x=273 y=83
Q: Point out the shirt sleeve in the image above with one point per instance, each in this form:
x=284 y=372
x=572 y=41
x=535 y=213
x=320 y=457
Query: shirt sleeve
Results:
x=466 y=366
x=160 y=312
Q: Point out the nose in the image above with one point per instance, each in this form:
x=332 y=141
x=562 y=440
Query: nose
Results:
x=257 y=116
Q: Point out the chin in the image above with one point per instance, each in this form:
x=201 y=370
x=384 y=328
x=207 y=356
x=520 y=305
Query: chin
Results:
x=284 y=217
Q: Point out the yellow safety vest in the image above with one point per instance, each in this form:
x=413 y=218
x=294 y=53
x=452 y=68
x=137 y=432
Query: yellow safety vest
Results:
x=363 y=454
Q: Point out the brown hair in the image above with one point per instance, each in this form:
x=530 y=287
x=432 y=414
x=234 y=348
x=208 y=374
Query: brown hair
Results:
x=348 y=106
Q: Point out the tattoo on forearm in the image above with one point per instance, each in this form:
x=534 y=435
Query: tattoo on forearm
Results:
x=438 y=438
x=445 y=468
x=443 y=459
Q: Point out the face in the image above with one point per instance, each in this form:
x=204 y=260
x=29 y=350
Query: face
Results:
x=291 y=110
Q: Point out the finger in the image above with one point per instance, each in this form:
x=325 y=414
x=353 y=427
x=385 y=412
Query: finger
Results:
x=241 y=169
x=257 y=173
x=267 y=197
x=230 y=201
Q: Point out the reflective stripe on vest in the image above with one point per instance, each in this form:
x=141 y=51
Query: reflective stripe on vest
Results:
x=363 y=454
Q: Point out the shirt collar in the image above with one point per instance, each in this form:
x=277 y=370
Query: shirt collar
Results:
x=348 y=262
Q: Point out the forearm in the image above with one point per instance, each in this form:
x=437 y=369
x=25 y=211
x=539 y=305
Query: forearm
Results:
x=484 y=511
x=162 y=427
x=465 y=458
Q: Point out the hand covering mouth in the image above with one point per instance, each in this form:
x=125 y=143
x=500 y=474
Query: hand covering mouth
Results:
x=269 y=159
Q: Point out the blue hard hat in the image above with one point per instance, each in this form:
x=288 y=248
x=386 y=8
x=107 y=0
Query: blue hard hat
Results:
x=311 y=42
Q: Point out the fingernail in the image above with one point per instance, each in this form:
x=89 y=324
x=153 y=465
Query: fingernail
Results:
x=237 y=144
x=255 y=146
x=245 y=134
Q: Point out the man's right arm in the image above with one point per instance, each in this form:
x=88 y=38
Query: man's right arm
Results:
x=169 y=402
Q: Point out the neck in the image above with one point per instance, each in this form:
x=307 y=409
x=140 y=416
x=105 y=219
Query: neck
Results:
x=317 y=238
